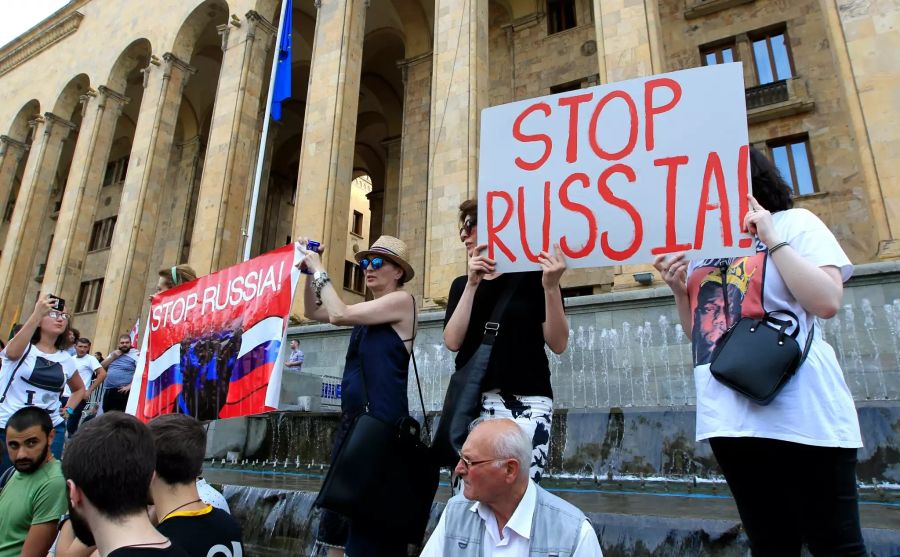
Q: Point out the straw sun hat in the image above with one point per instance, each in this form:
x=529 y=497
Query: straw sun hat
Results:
x=392 y=249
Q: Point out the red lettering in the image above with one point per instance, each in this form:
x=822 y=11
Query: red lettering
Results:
x=651 y=110
x=526 y=138
x=672 y=163
x=492 y=229
x=632 y=134
x=572 y=103
x=607 y=195
x=545 y=230
x=588 y=246
x=713 y=169
x=743 y=204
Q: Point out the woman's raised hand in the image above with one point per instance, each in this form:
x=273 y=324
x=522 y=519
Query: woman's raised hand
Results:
x=312 y=260
x=553 y=267
x=479 y=265
x=758 y=222
x=674 y=271
x=43 y=306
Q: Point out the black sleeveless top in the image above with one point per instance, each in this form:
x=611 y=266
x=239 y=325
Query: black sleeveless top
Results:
x=386 y=361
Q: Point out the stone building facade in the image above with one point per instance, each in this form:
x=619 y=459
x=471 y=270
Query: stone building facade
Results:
x=129 y=140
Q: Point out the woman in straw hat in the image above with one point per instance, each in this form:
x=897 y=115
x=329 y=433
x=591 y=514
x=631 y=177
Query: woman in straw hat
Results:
x=383 y=331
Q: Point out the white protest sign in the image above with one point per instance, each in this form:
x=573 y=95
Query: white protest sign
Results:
x=618 y=173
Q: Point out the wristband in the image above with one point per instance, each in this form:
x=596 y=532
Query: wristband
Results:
x=776 y=247
x=69 y=411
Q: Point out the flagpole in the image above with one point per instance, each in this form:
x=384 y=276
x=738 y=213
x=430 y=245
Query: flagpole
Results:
x=261 y=154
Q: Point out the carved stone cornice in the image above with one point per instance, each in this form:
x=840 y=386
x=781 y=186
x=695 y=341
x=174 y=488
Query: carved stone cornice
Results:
x=111 y=94
x=7 y=143
x=31 y=48
x=53 y=120
x=174 y=62
x=224 y=31
x=257 y=20
x=405 y=64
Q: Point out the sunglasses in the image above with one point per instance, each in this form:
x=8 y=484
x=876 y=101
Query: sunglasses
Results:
x=467 y=227
x=57 y=315
x=376 y=262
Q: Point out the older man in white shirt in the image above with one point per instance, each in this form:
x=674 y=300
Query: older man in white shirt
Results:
x=501 y=512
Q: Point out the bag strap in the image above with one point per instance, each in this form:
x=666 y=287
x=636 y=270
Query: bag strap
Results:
x=13 y=376
x=4 y=478
x=492 y=325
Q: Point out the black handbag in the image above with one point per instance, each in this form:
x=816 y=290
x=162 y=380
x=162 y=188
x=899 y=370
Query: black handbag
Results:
x=757 y=356
x=462 y=403
x=382 y=474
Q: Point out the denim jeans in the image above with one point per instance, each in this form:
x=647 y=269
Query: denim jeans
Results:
x=789 y=494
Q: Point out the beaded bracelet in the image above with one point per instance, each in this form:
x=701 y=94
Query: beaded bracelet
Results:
x=776 y=247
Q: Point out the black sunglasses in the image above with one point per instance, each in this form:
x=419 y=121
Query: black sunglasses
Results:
x=467 y=226
x=376 y=262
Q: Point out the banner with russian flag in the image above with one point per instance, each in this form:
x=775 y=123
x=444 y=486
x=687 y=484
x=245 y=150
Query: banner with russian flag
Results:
x=212 y=347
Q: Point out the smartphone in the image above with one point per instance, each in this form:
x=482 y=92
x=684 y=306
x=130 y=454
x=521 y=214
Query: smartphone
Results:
x=311 y=245
x=58 y=303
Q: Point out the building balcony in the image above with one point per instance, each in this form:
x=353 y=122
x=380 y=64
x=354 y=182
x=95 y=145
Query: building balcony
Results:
x=777 y=100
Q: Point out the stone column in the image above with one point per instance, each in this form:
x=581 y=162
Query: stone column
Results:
x=414 y=164
x=179 y=204
x=11 y=153
x=129 y=255
x=861 y=36
x=76 y=214
x=233 y=144
x=459 y=92
x=17 y=260
x=391 y=200
x=745 y=56
x=376 y=210
x=329 y=130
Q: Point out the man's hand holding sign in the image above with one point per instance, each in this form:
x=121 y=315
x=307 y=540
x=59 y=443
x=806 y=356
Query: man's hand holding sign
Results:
x=619 y=173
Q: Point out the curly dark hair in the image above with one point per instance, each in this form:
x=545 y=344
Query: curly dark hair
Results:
x=468 y=208
x=769 y=188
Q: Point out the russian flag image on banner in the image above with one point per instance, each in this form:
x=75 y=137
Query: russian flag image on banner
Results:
x=213 y=346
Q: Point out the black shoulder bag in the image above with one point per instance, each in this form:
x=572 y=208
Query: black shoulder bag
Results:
x=462 y=403
x=13 y=376
x=757 y=357
x=382 y=475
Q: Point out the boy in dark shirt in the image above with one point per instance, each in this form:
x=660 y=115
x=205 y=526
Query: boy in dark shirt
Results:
x=194 y=525
x=108 y=467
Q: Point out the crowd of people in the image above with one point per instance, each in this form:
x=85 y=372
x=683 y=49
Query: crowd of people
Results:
x=499 y=508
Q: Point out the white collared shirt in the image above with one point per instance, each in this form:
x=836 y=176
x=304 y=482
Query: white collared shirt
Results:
x=515 y=540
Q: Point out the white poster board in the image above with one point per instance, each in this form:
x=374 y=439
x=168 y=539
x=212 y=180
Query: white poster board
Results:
x=618 y=173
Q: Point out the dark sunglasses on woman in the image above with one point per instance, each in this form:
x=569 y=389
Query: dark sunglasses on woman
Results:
x=376 y=262
x=467 y=227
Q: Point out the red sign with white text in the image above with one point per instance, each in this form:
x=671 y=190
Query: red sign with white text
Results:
x=619 y=173
x=212 y=346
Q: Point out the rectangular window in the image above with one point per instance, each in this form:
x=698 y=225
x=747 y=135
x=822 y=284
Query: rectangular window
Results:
x=354 y=278
x=772 y=56
x=102 y=233
x=115 y=171
x=89 y=296
x=794 y=160
x=721 y=54
x=560 y=15
x=357 y=224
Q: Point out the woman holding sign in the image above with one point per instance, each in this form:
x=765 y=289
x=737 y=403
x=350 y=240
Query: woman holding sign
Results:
x=517 y=381
x=380 y=345
x=790 y=462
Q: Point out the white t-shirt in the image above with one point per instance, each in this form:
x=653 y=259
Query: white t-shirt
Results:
x=38 y=382
x=815 y=407
x=85 y=367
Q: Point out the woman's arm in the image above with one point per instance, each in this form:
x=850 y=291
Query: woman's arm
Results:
x=19 y=343
x=312 y=310
x=674 y=272
x=556 y=326
x=455 y=330
x=818 y=289
x=77 y=387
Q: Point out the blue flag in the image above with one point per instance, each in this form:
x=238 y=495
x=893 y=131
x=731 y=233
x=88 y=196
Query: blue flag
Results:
x=281 y=89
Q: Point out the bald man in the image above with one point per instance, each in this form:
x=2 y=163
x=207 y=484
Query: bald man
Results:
x=501 y=510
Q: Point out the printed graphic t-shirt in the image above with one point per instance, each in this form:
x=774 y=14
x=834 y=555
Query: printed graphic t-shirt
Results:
x=38 y=382
x=200 y=532
x=816 y=406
